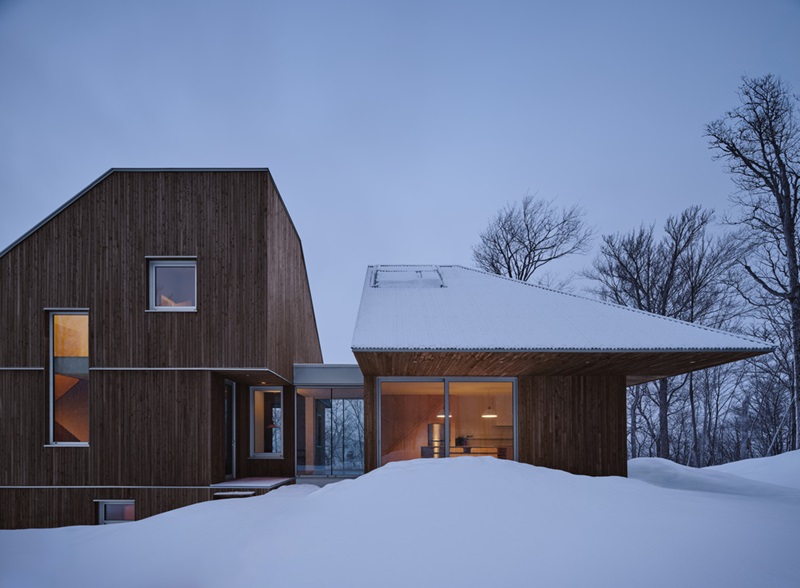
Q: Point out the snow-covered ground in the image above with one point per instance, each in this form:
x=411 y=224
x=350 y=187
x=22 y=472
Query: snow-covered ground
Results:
x=455 y=522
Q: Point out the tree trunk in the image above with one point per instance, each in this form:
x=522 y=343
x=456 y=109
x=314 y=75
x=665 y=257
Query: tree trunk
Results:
x=695 y=446
x=634 y=424
x=663 y=421
x=794 y=440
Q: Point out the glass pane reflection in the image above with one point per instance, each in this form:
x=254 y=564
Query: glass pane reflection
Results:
x=412 y=420
x=70 y=378
x=330 y=431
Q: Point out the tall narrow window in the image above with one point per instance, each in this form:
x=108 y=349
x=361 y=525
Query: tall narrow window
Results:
x=266 y=422
x=173 y=284
x=69 y=377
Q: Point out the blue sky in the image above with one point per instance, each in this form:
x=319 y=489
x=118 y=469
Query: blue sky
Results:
x=394 y=130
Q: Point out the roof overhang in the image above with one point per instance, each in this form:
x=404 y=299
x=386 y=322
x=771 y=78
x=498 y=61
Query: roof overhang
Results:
x=638 y=366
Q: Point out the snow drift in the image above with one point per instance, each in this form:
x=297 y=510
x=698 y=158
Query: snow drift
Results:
x=449 y=522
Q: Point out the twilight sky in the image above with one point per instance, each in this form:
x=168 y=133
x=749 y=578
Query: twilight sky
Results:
x=394 y=130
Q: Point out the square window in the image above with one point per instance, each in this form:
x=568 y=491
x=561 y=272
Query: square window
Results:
x=173 y=284
x=115 y=511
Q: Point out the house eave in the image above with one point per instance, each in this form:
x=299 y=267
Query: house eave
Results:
x=615 y=350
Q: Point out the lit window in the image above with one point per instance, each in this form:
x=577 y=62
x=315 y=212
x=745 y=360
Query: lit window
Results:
x=69 y=377
x=266 y=422
x=115 y=511
x=173 y=284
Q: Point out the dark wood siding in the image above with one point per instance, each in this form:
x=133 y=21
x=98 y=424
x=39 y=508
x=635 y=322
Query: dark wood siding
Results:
x=251 y=277
x=291 y=325
x=150 y=427
x=573 y=423
x=370 y=424
x=56 y=507
x=146 y=428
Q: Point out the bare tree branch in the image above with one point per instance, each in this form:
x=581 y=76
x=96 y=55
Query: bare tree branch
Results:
x=759 y=141
x=526 y=235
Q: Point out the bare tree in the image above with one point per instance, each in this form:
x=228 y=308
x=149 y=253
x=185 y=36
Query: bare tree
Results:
x=760 y=143
x=526 y=235
x=680 y=276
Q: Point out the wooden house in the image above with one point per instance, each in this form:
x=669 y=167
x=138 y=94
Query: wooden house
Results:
x=457 y=362
x=150 y=328
x=160 y=348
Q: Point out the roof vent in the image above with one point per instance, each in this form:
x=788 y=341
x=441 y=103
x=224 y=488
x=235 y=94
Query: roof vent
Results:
x=408 y=277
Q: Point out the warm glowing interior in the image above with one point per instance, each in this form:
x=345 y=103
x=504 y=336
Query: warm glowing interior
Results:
x=71 y=335
x=70 y=378
x=266 y=421
x=413 y=419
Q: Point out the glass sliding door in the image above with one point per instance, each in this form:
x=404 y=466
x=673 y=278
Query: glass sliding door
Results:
x=480 y=418
x=412 y=420
x=482 y=422
x=330 y=431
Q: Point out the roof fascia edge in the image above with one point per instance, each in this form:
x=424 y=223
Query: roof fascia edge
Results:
x=759 y=350
x=57 y=211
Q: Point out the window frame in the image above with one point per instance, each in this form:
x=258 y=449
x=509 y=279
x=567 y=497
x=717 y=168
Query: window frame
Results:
x=260 y=454
x=101 y=510
x=447 y=380
x=154 y=262
x=51 y=314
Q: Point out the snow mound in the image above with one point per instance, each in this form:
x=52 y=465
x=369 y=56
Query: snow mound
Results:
x=783 y=469
x=466 y=522
x=668 y=474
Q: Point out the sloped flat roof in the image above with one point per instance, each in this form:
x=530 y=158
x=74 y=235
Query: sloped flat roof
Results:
x=455 y=308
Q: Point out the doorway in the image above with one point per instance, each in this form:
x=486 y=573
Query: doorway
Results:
x=330 y=432
x=230 y=430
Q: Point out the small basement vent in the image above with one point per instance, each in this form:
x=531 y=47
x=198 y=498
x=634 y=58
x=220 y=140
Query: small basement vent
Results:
x=408 y=277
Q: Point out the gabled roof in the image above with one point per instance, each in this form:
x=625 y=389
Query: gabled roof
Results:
x=455 y=308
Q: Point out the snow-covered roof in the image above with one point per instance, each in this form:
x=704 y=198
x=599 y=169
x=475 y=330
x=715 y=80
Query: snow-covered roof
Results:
x=455 y=308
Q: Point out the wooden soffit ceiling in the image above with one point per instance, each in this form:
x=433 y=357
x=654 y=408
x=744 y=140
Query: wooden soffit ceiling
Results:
x=637 y=366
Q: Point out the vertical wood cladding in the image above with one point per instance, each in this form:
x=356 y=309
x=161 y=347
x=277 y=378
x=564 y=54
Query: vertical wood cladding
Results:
x=291 y=325
x=56 y=507
x=370 y=424
x=154 y=428
x=147 y=428
x=253 y=301
x=573 y=423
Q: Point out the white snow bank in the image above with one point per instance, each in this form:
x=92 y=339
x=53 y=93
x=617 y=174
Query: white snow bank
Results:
x=668 y=474
x=448 y=522
x=783 y=469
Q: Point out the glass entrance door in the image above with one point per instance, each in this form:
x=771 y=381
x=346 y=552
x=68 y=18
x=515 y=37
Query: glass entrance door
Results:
x=330 y=431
